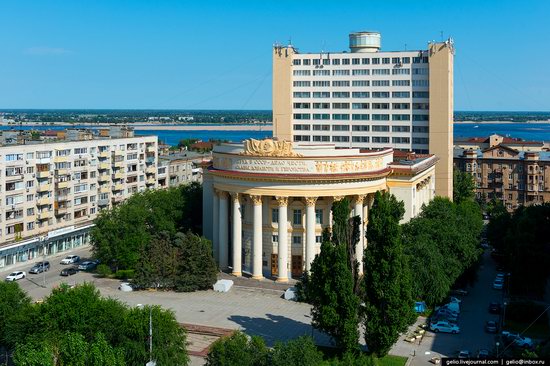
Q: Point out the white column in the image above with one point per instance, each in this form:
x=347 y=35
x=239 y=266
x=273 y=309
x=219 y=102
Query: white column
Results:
x=216 y=225
x=283 y=239
x=310 y=231
x=224 y=230
x=257 y=266
x=359 y=248
x=237 y=235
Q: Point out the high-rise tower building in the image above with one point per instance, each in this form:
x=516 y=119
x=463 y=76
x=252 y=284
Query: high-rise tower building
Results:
x=367 y=98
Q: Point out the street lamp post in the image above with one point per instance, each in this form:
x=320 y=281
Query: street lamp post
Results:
x=43 y=241
x=497 y=344
x=503 y=315
x=150 y=338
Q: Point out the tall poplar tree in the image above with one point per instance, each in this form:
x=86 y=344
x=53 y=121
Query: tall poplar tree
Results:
x=388 y=301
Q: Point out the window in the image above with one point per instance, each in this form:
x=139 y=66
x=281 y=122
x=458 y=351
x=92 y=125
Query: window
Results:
x=381 y=72
x=345 y=61
x=401 y=106
x=321 y=94
x=298 y=138
x=376 y=61
x=360 y=83
x=30 y=226
x=385 y=60
x=360 y=117
x=360 y=139
x=340 y=138
x=297 y=217
x=80 y=200
x=301 y=84
x=340 y=83
x=380 y=128
x=301 y=72
x=340 y=117
x=81 y=150
x=326 y=61
x=321 y=127
x=321 y=72
x=301 y=127
x=365 y=61
x=400 y=140
x=297 y=62
x=421 y=129
x=30 y=211
x=363 y=128
x=275 y=238
x=401 y=94
x=380 y=83
x=401 y=129
x=401 y=71
x=296 y=240
x=301 y=94
x=380 y=117
x=401 y=117
x=340 y=127
x=425 y=83
x=80 y=188
x=13 y=171
x=421 y=71
x=14 y=199
x=321 y=105
x=340 y=72
x=380 y=94
x=297 y=106
x=360 y=72
x=302 y=116
x=321 y=116
x=274 y=215
x=421 y=94
x=340 y=105
x=401 y=83
x=321 y=83
x=12 y=186
x=360 y=94
x=340 y=94
x=30 y=156
x=336 y=61
x=380 y=140
x=380 y=105
x=355 y=61
x=65 y=152
x=421 y=106
x=395 y=60
x=406 y=60
x=420 y=140
x=321 y=138
x=421 y=117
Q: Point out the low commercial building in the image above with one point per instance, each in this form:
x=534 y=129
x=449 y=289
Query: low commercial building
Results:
x=59 y=187
x=266 y=202
x=514 y=176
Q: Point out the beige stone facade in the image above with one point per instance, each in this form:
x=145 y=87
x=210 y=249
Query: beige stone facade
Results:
x=514 y=177
x=266 y=203
x=368 y=98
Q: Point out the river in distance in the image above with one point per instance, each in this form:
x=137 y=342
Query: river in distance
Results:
x=525 y=131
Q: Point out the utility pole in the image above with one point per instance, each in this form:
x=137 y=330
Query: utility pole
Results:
x=43 y=261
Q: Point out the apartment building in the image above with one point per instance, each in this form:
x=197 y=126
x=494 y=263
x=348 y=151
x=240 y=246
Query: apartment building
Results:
x=180 y=168
x=368 y=98
x=516 y=177
x=49 y=189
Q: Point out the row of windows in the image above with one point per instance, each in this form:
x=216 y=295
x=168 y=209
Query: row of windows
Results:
x=373 y=139
x=360 y=61
x=362 y=94
x=355 y=72
x=64 y=152
x=361 y=117
x=363 y=128
x=400 y=106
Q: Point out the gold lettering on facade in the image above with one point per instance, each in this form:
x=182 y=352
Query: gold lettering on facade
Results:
x=268 y=147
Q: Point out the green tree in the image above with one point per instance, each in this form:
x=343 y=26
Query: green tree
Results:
x=388 y=301
x=15 y=306
x=331 y=288
x=297 y=352
x=197 y=268
x=463 y=186
x=158 y=265
x=102 y=353
x=238 y=350
x=33 y=354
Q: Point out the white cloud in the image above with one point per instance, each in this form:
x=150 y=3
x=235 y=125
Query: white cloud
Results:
x=40 y=51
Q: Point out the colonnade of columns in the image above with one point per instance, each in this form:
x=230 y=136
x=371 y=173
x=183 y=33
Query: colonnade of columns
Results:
x=221 y=231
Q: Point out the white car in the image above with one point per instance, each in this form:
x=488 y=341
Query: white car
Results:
x=70 y=259
x=498 y=284
x=445 y=327
x=518 y=340
x=464 y=354
x=14 y=276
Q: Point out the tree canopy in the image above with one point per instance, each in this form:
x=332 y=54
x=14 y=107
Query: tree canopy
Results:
x=463 y=186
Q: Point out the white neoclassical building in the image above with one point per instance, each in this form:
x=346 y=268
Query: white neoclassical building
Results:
x=266 y=202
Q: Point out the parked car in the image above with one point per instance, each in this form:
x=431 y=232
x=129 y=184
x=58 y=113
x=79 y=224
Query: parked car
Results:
x=452 y=306
x=17 y=275
x=517 y=339
x=40 y=267
x=494 y=308
x=446 y=313
x=464 y=354
x=445 y=327
x=500 y=275
x=491 y=326
x=454 y=299
x=70 y=259
x=459 y=292
x=68 y=271
x=483 y=353
x=498 y=284
x=87 y=266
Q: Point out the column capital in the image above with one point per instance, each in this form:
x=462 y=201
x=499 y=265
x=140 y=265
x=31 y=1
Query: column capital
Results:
x=235 y=196
x=337 y=198
x=220 y=193
x=256 y=199
x=310 y=201
x=360 y=198
x=282 y=201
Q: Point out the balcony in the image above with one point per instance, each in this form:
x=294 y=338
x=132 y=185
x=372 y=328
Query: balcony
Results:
x=44 y=215
x=118 y=187
x=103 y=202
x=151 y=181
x=104 y=178
x=117 y=199
x=43 y=174
x=118 y=175
x=105 y=154
x=61 y=185
x=62 y=198
x=150 y=159
x=59 y=172
x=119 y=164
x=151 y=170
x=103 y=166
x=151 y=149
x=44 y=201
x=120 y=152
x=61 y=211
x=44 y=188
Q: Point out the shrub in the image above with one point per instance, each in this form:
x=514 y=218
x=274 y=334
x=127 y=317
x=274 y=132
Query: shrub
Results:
x=124 y=274
x=104 y=270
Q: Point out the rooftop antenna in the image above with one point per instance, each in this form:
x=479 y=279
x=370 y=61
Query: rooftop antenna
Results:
x=441 y=33
x=405 y=46
x=290 y=40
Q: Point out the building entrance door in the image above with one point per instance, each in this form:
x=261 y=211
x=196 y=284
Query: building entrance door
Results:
x=274 y=264
x=297 y=266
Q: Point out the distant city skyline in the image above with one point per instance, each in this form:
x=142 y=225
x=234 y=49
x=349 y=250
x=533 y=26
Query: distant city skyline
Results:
x=217 y=55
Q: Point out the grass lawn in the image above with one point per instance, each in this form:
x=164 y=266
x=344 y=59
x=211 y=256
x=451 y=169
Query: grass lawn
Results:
x=390 y=360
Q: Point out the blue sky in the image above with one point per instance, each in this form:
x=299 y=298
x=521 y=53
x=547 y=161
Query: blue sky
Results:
x=217 y=54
